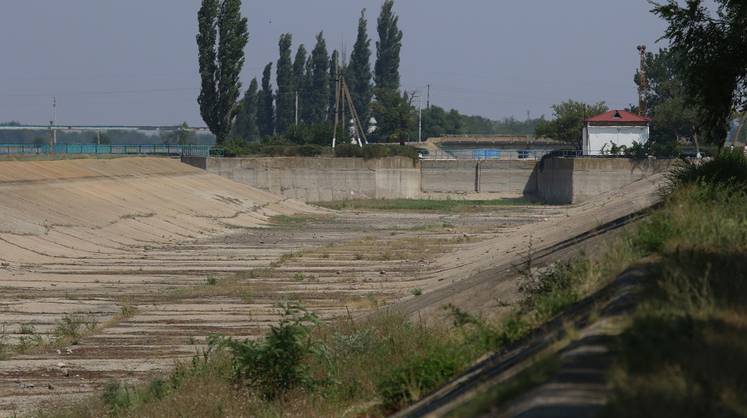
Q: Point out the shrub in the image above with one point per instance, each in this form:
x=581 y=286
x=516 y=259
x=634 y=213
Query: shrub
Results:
x=637 y=150
x=548 y=292
x=117 y=397
x=310 y=150
x=728 y=168
x=277 y=364
x=652 y=234
x=4 y=346
x=348 y=151
x=73 y=326
x=317 y=134
x=27 y=329
x=272 y=147
x=418 y=376
x=372 y=151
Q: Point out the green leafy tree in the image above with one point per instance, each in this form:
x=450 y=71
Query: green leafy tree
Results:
x=714 y=40
x=221 y=40
x=359 y=74
x=265 y=105
x=101 y=138
x=395 y=114
x=673 y=119
x=246 y=126
x=438 y=122
x=319 y=82
x=285 y=101
x=388 y=49
x=569 y=120
x=300 y=76
x=182 y=135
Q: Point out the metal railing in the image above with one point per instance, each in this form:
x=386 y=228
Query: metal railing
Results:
x=497 y=154
x=105 y=149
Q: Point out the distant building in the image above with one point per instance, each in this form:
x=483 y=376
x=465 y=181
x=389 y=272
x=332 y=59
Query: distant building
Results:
x=614 y=128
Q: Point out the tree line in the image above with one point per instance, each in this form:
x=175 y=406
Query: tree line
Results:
x=695 y=87
x=294 y=100
x=300 y=100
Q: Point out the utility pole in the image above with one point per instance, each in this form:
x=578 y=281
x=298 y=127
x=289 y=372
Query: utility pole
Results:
x=337 y=108
x=643 y=82
x=296 y=107
x=428 y=102
x=54 y=120
x=420 y=119
x=343 y=98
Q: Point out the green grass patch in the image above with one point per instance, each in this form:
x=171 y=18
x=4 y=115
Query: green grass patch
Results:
x=291 y=220
x=424 y=205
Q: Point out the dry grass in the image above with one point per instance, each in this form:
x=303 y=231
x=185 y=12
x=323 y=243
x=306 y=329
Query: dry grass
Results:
x=424 y=205
x=685 y=353
x=233 y=287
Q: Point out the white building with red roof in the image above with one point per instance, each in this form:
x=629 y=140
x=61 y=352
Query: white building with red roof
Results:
x=614 y=128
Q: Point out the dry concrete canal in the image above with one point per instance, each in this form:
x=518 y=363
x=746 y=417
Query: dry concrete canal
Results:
x=116 y=269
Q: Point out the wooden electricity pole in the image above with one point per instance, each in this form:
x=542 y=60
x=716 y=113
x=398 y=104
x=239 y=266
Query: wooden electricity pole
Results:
x=642 y=83
x=344 y=98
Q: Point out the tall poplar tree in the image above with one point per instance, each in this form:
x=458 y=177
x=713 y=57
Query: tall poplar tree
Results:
x=386 y=71
x=285 y=96
x=359 y=75
x=334 y=63
x=222 y=36
x=266 y=107
x=319 y=80
x=245 y=126
x=307 y=112
x=299 y=75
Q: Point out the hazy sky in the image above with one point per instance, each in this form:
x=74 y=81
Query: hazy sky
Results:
x=134 y=61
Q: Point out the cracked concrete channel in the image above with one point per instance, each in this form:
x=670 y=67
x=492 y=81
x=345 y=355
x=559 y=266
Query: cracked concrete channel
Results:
x=154 y=255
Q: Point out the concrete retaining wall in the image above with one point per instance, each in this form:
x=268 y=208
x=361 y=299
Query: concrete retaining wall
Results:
x=575 y=180
x=324 y=179
x=500 y=177
x=449 y=176
x=593 y=176
x=512 y=178
x=552 y=180
x=555 y=180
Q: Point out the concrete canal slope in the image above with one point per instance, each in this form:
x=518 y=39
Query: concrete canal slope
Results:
x=127 y=199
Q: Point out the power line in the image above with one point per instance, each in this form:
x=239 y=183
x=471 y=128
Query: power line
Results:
x=103 y=92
